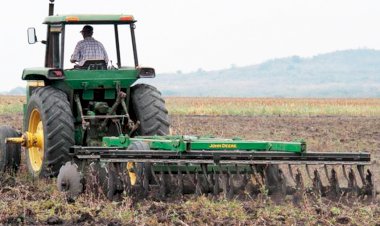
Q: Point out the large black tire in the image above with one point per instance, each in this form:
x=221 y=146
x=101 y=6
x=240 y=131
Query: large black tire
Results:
x=148 y=107
x=57 y=120
x=10 y=154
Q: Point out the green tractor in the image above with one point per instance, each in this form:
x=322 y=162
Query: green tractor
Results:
x=94 y=128
x=67 y=107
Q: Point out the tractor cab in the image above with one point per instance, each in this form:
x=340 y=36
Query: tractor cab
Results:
x=116 y=32
x=63 y=31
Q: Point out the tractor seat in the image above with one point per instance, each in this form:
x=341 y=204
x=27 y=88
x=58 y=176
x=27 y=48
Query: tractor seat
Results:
x=94 y=65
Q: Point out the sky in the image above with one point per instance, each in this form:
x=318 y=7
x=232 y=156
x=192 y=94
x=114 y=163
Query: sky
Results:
x=180 y=35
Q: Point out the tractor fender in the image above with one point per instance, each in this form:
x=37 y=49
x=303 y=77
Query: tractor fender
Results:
x=43 y=74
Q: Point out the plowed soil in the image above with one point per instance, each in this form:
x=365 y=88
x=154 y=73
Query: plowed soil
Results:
x=321 y=133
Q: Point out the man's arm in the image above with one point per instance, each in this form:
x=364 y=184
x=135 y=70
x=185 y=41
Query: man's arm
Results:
x=104 y=52
x=105 y=56
x=76 y=55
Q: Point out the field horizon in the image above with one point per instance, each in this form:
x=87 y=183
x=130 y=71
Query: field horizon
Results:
x=247 y=106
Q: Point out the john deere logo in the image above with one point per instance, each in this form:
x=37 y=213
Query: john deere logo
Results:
x=227 y=146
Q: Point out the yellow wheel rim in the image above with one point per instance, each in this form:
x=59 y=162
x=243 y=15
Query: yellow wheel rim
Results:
x=36 y=130
x=131 y=172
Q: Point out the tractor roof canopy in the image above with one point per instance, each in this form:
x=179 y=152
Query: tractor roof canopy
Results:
x=90 y=18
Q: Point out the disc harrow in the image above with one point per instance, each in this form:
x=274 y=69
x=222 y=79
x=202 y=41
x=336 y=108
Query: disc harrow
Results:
x=234 y=182
x=161 y=167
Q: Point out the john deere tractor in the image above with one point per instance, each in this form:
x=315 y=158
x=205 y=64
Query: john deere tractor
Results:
x=95 y=128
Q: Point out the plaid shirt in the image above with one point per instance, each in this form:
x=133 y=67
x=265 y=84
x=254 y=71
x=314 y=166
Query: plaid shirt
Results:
x=89 y=49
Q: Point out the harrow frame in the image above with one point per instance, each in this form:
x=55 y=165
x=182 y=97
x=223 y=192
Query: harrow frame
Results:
x=208 y=150
x=212 y=164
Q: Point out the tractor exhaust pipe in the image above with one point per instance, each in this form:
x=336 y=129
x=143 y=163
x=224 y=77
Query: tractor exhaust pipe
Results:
x=51 y=8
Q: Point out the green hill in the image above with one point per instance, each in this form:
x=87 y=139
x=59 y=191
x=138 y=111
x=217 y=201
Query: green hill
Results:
x=348 y=73
x=18 y=91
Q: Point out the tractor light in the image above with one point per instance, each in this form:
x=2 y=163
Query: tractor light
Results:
x=126 y=18
x=56 y=74
x=72 y=19
x=146 y=72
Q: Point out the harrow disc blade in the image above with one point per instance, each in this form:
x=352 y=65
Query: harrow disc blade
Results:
x=110 y=181
x=69 y=180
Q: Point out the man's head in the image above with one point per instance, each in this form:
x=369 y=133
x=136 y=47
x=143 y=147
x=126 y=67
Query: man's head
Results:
x=87 y=31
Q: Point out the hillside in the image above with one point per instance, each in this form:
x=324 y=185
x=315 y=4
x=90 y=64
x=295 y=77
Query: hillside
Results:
x=348 y=73
x=18 y=91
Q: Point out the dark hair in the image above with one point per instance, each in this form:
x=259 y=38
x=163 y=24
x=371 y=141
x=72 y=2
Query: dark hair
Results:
x=87 y=29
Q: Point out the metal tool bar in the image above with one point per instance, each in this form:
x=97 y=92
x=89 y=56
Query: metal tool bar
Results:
x=247 y=162
x=221 y=156
x=104 y=116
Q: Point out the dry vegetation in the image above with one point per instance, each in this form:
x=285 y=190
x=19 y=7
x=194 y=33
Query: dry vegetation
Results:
x=271 y=106
x=331 y=124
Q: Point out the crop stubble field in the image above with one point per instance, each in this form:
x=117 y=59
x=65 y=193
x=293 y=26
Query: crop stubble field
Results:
x=325 y=124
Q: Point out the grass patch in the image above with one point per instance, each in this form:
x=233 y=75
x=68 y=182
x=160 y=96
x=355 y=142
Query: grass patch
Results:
x=11 y=104
x=246 y=106
x=272 y=106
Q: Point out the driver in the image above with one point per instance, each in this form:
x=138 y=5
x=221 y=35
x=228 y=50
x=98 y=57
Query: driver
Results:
x=88 y=48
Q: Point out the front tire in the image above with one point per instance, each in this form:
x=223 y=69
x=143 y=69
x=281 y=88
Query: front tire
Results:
x=50 y=119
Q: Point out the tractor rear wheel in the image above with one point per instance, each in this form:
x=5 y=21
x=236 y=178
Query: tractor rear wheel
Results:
x=10 y=154
x=50 y=121
x=148 y=107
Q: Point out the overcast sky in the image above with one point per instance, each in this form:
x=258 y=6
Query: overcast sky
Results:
x=210 y=34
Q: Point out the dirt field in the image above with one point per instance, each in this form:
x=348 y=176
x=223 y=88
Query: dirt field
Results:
x=321 y=133
x=24 y=201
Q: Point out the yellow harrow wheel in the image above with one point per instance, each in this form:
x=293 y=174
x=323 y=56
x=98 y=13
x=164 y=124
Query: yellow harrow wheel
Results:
x=139 y=172
x=132 y=173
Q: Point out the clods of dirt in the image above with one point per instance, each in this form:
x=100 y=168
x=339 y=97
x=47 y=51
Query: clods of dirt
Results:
x=54 y=220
